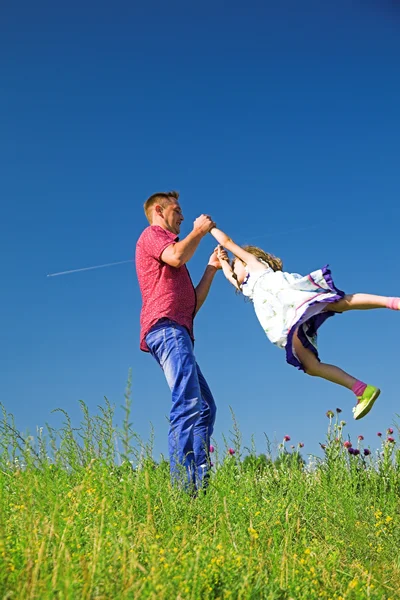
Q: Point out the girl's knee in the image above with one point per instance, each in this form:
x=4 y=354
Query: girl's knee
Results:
x=313 y=369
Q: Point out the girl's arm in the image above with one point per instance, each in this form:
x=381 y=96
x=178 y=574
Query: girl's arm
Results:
x=226 y=267
x=238 y=251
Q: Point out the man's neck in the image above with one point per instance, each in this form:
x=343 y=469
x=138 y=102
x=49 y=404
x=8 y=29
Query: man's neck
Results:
x=161 y=223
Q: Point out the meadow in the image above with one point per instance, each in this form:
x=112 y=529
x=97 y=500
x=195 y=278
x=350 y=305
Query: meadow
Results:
x=87 y=513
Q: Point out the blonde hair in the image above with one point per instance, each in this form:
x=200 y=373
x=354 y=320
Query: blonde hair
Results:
x=162 y=198
x=274 y=262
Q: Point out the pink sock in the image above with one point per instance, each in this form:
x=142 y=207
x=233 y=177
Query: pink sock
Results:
x=358 y=388
x=393 y=303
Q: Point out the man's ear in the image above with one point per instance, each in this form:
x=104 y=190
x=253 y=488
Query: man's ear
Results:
x=159 y=209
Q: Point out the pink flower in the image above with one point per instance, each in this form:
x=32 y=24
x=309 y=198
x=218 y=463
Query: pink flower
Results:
x=391 y=440
x=212 y=449
x=211 y=464
x=361 y=437
x=347 y=444
x=292 y=447
x=301 y=445
x=231 y=451
x=389 y=431
x=286 y=438
x=379 y=434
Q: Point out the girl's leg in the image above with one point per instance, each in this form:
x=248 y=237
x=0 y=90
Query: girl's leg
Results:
x=313 y=367
x=363 y=302
x=365 y=394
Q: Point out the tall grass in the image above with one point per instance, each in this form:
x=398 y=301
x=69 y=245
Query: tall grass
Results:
x=87 y=513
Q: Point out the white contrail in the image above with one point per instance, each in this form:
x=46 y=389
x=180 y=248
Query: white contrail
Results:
x=121 y=262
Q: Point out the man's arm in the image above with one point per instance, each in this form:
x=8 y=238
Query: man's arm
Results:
x=178 y=254
x=214 y=264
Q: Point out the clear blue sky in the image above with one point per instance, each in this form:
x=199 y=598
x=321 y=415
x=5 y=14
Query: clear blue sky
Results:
x=280 y=119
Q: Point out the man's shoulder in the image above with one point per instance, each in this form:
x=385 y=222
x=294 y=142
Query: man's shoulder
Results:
x=154 y=232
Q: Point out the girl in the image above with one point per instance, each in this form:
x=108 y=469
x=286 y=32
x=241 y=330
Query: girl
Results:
x=291 y=308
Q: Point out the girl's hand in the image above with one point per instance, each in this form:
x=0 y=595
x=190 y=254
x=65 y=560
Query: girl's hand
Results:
x=221 y=253
x=217 y=256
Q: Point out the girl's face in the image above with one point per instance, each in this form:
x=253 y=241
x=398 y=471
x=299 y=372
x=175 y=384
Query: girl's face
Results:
x=238 y=268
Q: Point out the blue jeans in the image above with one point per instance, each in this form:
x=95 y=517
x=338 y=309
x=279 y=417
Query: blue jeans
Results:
x=193 y=409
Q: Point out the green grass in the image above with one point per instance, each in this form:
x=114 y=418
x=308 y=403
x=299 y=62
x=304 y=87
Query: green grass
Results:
x=74 y=524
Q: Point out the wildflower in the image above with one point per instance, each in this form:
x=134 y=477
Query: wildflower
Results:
x=212 y=448
x=286 y=438
x=323 y=446
x=343 y=423
x=330 y=414
x=379 y=434
x=351 y=450
x=231 y=451
x=367 y=452
x=391 y=440
x=292 y=447
x=361 y=437
x=356 y=452
x=338 y=410
x=211 y=464
x=301 y=445
x=389 y=431
x=347 y=444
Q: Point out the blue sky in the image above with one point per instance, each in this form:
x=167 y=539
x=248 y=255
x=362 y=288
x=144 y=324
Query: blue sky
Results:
x=281 y=120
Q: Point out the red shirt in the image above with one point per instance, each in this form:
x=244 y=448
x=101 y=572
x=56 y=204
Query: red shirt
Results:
x=166 y=291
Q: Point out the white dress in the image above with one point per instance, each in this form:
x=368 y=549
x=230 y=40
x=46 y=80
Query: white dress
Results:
x=286 y=302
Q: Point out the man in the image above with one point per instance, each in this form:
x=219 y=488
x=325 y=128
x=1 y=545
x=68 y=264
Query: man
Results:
x=170 y=303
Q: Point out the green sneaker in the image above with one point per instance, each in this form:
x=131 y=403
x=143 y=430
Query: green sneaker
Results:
x=366 y=401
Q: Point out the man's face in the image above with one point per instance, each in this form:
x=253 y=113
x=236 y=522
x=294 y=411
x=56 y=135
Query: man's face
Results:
x=173 y=217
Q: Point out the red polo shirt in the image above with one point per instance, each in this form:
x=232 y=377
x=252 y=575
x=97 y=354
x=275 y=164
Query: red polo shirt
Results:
x=166 y=291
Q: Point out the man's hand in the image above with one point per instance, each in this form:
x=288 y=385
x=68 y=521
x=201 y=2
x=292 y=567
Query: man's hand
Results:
x=203 y=224
x=217 y=256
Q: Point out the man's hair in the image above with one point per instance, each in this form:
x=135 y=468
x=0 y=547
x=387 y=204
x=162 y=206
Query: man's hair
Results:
x=162 y=198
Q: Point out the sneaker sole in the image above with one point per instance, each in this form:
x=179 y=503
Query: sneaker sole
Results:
x=368 y=407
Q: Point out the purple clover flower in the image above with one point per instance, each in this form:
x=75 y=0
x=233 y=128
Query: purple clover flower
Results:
x=212 y=448
x=367 y=451
x=286 y=438
x=231 y=451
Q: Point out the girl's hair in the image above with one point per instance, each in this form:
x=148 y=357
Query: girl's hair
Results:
x=274 y=262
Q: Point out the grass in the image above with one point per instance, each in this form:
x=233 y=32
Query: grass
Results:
x=78 y=521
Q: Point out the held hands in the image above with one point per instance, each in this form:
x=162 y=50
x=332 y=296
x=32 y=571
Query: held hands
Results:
x=203 y=224
x=217 y=257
